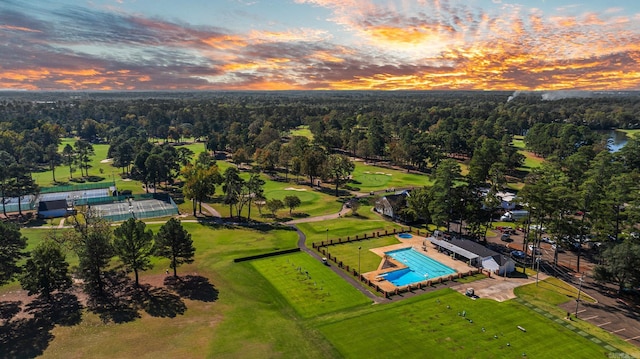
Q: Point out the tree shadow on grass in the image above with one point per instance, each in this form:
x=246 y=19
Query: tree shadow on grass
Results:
x=159 y=302
x=25 y=337
x=193 y=287
x=63 y=309
x=115 y=304
x=29 y=336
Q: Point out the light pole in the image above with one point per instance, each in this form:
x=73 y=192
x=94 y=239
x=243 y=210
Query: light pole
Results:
x=327 y=235
x=359 y=248
x=579 y=292
x=538 y=272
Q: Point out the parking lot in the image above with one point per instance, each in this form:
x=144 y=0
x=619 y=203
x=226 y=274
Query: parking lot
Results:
x=617 y=316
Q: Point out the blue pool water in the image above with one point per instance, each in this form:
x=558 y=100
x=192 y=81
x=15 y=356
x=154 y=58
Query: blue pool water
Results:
x=420 y=267
x=405 y=235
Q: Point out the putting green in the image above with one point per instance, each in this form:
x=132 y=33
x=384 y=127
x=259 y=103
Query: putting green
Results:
x=305 y=196
x=373 y=179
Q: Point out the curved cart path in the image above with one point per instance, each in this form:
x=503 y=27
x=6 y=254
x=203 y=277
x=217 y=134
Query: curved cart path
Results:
x=303 y=247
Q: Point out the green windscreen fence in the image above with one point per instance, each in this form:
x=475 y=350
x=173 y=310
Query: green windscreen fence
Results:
x=77 y=187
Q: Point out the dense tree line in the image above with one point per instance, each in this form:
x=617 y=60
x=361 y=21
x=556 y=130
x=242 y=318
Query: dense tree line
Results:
x=410 y=128
x=426 y=131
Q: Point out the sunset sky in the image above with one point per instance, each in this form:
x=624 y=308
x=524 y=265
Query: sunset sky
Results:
x=319 y=44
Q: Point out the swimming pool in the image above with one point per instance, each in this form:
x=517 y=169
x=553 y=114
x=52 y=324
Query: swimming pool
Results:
x=405 y=235
x=420 y=267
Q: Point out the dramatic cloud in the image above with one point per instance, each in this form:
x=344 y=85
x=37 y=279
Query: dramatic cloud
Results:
x=319 y=44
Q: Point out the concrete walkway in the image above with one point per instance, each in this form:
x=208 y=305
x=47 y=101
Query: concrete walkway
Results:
x=497 y=288
x=211 y=210
x=344 y=210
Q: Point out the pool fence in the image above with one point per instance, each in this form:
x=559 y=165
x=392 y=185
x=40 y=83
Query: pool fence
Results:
x=323 y=248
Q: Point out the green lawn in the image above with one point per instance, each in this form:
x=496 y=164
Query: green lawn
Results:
x=349 y=253
x=631 y=133
x=302 y=131
x=248 y=319
x=373 y=178
x=310 y=287
x=266 y=309
x=432 y=326
x=314 y=203
x=343 y=227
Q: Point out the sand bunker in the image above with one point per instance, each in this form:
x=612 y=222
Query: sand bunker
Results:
x=295 y=189
x=108 y=160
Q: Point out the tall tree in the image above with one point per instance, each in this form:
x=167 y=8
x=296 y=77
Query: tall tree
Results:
x=6 y=161
x=253 y=189
x=621 y=265
x=69 y=158
x=313 y=162
x=123 y=156
x=21 y=184
x=339 y=167
x=133 y=244
x=46 y=271
x=418 y=205
x=442 y=194
x=274 y=205
x=53 y=159
x=232 y=187
x=292 y=202
x=12 y=243
x=184 y=155
x=92 y=241
x=200 y=183
x=174 y=242
x=84 y=151
x=155 y=167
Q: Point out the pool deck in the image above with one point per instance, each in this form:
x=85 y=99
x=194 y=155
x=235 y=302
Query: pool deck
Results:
x=420 y=244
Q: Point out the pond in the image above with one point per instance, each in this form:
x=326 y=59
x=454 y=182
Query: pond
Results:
x=616 y=140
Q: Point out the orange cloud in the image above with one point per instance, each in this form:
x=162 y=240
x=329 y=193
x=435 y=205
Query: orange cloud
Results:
x=224 y=42
x=17 y=28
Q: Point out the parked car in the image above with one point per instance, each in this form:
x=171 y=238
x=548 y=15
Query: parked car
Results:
x=505 y=237
x=518 y=254
x=546 y=239
x=535 y=250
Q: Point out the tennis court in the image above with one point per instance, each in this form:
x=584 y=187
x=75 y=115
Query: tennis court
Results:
x=147 y=208
x=10 y=204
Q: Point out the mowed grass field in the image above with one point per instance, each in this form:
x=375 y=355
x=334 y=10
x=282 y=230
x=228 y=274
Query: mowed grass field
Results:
x=309 y=286
x=446 y=324
x=268 y=309
x=374 y=178
x=247 y=317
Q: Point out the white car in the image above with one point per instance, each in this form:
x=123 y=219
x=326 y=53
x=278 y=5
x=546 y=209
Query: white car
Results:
x=535 y=250
x=546 y=239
